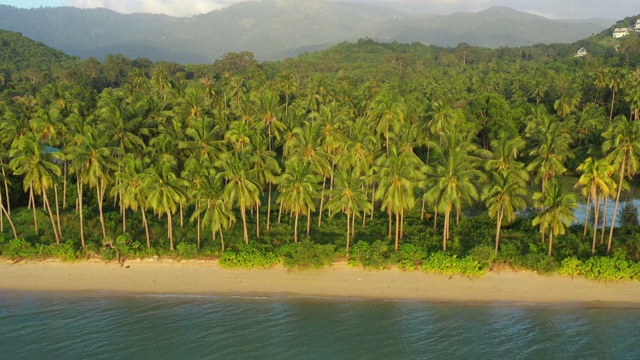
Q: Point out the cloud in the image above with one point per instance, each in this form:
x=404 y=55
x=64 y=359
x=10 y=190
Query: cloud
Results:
x=181 y=8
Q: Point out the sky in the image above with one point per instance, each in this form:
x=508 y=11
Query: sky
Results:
x=555 y=9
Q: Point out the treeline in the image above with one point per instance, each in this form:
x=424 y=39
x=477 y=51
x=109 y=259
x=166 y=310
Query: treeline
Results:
x=424 y=147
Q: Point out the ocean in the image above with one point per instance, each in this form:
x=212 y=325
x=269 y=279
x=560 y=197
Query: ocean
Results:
x=39 y=325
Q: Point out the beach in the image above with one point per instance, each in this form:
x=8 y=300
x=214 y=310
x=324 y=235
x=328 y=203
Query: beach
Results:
x=339 y=281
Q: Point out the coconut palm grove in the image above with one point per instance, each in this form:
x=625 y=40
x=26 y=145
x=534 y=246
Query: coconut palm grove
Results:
x=452 y=160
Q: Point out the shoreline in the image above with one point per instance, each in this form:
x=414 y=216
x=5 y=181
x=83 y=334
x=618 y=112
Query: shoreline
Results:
x=206 y=278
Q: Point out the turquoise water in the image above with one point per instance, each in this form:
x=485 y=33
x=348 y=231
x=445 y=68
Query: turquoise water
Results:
x=108 y=326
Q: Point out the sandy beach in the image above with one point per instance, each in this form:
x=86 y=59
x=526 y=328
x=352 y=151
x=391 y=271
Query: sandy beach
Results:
x=338 y=281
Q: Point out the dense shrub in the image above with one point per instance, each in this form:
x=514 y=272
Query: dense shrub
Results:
x=537 y=262
x=306 y=254
x=600 y=268
x=374 y=256
x=19 y=248
x=409 y=257
x=444 y=263
x=187 y=250
x=65 y=252
x=248 y=257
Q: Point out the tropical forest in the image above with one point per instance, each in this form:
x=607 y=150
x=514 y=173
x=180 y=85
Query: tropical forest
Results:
x=454 y=160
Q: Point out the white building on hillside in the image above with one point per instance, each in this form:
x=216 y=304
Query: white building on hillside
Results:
x=582 y=52
x=621 y=32
x=637 y=27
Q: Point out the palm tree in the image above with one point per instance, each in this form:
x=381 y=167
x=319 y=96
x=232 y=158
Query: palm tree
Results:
x=242 y=186
x=503 y=197
x=93 y=161
x=558 y=210
x=266 y=167
x=130 y=189
x=453 y=178
x=164 y=192
x=398 y=176
x=298 y=187
x=388 y=111
x=217 y=214
x=30 y=160
x=349 y=198
x=614 y=81
x=623 y=139
x=3 y=209
x=596 y=180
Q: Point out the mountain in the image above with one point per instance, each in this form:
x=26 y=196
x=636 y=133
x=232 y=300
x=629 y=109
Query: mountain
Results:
x=275 y=29
x=18 y=52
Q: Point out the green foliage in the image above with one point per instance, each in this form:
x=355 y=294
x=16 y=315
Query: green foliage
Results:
x=248 y=257
x=19 y=248
x=409 y=257
x=306 y=255
x=66 y=252
x=377 y=255
x=601 y=268
x=570 y=266
x=483 y=254
x=187 y=250
x=444 y=263
x=538 y=262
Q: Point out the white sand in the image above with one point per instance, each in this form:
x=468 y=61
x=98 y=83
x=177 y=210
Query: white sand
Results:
x=339 y=281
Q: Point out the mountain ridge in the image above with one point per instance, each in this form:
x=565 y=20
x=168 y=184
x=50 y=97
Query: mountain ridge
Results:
x=276 y=29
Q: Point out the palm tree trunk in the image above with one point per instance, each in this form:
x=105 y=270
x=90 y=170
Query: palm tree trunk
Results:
x=3 y=209
x=1 y=217
x=613 y=99
x=402 y=224
x=395 y=247
x=269 y=208
x=170 y=230
x=498 y=227
x=595 y=226
x=79 y=185
x=280 y=214
x=604 y=219
x=181 y=216
x=295 y=228
x=353 y=225
x=550 y=240
x=348 y=231
x=424 y=201
x=257 y=220
x=48 y=207
x=308 y=222
x=198 y=225
x=586 y=219
x=33 y=205
x=615 y=208
x=100 y=200
x=324 y=184
x=123 y=212
x=243 y=212
x=221 y=238
x=64 y=185
x=55 y=191
x=445 y=235
x=6 y=191
x=373 y=199
x=435 y=220
x=146 y=227
x=390 y=224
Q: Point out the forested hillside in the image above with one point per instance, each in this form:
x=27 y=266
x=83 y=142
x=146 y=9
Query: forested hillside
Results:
x=276 y=29
x=445 y=159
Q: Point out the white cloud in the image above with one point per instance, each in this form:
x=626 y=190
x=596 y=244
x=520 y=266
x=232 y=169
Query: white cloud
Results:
x=170 y=7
